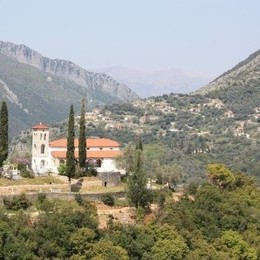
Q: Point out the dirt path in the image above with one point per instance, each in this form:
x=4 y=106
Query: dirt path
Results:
x=124 y=215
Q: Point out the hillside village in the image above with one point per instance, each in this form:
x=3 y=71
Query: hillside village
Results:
x=151 y=111
x=139 y=116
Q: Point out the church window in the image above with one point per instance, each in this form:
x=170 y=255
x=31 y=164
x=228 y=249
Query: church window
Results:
x=44 y=137
x=42 y=149
x=62 y=161
x=98 y=163
x=42 y=163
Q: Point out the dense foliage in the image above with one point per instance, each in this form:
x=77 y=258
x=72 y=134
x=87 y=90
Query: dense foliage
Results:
x=215 y=222
x=137 y=192
x=219 y=221
x=247 y=99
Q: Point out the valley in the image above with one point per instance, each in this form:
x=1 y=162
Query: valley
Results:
x=191 y=189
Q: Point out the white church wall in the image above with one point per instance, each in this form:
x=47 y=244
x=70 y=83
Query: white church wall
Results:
x=108 y=165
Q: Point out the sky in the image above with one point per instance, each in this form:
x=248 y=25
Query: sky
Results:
x=209 y=36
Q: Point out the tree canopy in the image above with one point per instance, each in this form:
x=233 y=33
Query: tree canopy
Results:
x=137 y=191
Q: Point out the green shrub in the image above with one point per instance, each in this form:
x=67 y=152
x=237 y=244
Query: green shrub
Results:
x=108 y=199
x=27 y=174
x=192 y=188
x=21 y=166
x=41 y=197
x=160 y=196
x=161 y=200
x=91 y=171
x=62 y=169
x=17 y=202
x=122 y=203
x=79 y=199
x=24 y=172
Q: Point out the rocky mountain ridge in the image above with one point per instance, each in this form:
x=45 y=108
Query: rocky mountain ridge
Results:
x=67 y=70
x=238 y=88
x=246 y=73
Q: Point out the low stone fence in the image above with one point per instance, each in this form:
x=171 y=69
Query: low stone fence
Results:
x=46 y=188
x=67 y=196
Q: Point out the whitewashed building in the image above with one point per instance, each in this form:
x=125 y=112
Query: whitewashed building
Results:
x=47 y=156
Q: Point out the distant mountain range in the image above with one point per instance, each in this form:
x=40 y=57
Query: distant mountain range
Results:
x=159 y=82
x=41 y=89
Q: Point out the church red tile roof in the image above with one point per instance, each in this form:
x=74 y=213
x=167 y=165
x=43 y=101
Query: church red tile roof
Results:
x=90 y=154
x=91 y=142
x=40 y=126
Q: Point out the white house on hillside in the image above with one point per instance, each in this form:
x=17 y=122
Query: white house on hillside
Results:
x=47 y=156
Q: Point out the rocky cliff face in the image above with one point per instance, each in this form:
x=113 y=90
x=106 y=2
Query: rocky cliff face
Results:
x=68 y=70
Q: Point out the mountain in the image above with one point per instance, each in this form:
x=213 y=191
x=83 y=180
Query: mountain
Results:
x=156 y=83
x=238 y=88
x=39 y=88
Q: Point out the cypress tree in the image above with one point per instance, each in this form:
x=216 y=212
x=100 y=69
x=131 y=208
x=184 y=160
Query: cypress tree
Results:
x=70 y=157
x=3 y=133
x=137 y=191
x=82 y=136
x=139 y=143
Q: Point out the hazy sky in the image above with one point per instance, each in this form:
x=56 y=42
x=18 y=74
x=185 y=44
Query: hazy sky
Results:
x=200 y=35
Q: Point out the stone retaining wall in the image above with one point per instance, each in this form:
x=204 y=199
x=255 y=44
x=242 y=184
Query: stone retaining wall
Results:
x=32 y=188
x=67 y=196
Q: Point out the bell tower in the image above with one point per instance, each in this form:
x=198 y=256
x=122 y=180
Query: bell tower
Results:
x=40 y=148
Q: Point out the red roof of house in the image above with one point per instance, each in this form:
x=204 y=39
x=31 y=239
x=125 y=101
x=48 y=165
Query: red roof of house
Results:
x=90 y=154
x=40 y=126
x=91 y=142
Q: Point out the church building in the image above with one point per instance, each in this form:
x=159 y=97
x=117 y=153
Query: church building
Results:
x=47 y=156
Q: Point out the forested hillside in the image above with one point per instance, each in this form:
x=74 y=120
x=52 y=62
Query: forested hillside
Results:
x=217 y=220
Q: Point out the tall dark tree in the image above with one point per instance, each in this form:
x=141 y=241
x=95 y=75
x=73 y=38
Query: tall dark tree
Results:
x=3 y=133
x=137 y=191
x=139 y=143
x=82 y=136
x=70 y=157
